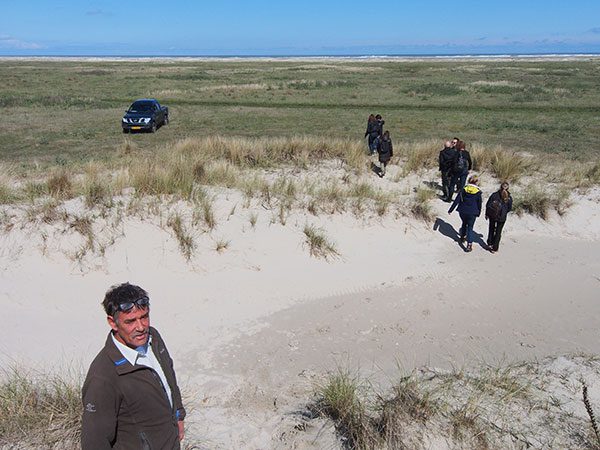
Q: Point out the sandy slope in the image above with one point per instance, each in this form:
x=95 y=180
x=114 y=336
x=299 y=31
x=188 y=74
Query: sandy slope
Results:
x=251 y=329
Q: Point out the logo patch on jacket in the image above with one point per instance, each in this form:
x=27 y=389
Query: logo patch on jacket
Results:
x=90 y=407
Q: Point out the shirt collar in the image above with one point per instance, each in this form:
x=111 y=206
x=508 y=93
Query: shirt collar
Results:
x=129 y=353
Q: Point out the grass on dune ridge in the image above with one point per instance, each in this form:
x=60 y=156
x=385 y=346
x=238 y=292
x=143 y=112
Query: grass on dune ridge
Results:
x=253 y=166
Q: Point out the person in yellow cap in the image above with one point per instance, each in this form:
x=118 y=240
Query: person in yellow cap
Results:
x=468 y=203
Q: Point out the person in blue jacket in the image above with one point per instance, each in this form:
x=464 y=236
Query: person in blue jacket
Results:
x=496 y=209
x=468 y=203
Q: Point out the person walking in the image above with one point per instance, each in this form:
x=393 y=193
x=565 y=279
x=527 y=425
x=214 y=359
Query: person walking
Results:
x=385 y=150
x=380 y=123
x=446 y=162
x=461 y=166
x=496 y=210
x=468 y=202
x=130 y=395
x=372 y=133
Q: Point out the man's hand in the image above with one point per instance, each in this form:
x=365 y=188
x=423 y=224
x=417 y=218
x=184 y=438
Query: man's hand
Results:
x=181 y=430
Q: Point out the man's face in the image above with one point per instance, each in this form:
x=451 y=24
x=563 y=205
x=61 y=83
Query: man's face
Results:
x=454 y=142
x=132 y=327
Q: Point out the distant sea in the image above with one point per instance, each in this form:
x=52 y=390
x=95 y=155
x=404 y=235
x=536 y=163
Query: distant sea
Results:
x=299 y=57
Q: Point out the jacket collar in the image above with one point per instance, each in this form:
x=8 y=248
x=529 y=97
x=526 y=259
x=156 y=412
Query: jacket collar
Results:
x=121 y=364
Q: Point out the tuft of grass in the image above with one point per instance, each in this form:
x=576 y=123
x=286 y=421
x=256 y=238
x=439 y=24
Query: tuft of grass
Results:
x=46 y=211
x=283 y=211
x=222 y=245
x=538 y=202
x=593 y=173
x=7 y=194
x=220 y=173
x=127 y=147
x=339 y=399
x=203 y=211
x=59 y=185
x=320 y=246
x=253 y=219
x=382 y=205
x=35 y=189
x=184 y=238
x=84 y=226
x=420 y=207
x=421 y=155
x=331 y=198
x=39 y=410
x=508 y=166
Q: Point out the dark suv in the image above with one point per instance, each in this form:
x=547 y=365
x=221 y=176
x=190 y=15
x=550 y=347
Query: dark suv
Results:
x=145 y=114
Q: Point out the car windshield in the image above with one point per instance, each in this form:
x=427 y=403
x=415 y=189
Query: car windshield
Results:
x=141 y=107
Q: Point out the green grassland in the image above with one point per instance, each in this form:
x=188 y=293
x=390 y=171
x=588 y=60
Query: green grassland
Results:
x=65 y=112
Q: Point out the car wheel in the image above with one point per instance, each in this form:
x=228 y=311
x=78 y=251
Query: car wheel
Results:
x=166 y=121
x=153 y=129
x=125 y=130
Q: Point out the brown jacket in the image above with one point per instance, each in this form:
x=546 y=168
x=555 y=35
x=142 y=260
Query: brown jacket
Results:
x=125 y=406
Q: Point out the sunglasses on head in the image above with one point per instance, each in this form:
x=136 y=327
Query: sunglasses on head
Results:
x=142 y=302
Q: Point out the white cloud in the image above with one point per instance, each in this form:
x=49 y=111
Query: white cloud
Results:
x=9 y=42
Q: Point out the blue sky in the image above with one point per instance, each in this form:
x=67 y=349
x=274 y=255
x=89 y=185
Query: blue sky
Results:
x=232 y=27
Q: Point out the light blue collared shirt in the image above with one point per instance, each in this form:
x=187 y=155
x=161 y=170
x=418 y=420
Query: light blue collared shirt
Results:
x=144 y=356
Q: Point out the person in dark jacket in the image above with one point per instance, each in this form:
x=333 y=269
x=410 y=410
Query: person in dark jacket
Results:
x=130 y=395
x=468 y=203
x=461 y=166
x=496 y=210
x=446 y=163
x=372 y=133
x=380 y=123
x=385 y=151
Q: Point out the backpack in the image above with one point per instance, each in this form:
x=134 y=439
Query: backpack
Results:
x=460 y=164
x=494 y=210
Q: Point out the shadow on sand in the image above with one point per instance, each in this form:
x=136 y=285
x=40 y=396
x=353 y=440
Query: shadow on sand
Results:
x=376 y=169
x=448 y=230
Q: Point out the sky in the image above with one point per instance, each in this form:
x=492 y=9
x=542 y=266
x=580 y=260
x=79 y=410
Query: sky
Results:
x=334 y=27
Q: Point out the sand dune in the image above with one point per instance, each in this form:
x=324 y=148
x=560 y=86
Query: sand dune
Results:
x=251 y=328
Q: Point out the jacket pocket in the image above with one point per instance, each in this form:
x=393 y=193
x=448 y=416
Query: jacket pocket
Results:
x=145 y=442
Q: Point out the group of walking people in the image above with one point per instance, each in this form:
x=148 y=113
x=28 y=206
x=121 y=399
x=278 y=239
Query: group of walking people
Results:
x=380 y=142
x=454 y=164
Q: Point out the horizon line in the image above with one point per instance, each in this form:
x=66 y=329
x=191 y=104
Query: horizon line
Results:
x=307 y=55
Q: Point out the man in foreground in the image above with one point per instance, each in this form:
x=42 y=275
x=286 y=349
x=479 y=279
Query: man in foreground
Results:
x=130 y=395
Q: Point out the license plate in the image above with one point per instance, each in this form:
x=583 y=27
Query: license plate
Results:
x=136 y=128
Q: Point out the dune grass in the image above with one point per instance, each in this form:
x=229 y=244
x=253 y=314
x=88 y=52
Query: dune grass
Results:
x=319 y=245
x=505 y=406
x=419 y=206
x=341 y=399
x=539 y=202
x=59 y=185
x=39 y=410
x=183 y=236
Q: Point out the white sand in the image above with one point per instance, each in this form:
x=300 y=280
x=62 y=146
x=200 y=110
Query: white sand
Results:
x=253 y=327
